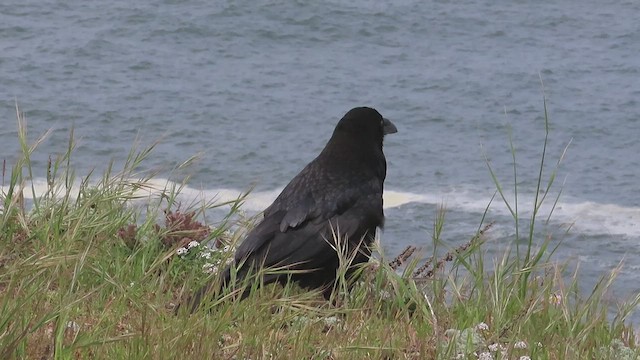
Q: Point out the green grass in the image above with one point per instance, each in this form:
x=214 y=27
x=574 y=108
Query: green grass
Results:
x=90 y=271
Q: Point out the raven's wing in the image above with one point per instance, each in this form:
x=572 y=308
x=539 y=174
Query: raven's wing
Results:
x=296 y=232
x=318 y=193
x=309 y=245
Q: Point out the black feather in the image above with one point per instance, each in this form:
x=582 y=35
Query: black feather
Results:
x=338 y=193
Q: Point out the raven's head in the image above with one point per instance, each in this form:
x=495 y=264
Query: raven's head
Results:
x=366 y=122
x=356 y=144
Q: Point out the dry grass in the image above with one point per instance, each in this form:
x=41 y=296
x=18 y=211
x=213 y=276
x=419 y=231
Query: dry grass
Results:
x=85 y=274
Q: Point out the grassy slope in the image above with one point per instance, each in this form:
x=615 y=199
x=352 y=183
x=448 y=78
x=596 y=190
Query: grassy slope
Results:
x=85 y=274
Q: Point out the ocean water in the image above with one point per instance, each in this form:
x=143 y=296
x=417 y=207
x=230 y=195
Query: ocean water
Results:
x=256 y=87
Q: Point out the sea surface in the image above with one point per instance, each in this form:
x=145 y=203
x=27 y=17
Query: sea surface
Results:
x=255 y=88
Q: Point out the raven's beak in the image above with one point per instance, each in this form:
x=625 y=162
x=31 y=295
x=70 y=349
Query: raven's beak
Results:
x=388 y=127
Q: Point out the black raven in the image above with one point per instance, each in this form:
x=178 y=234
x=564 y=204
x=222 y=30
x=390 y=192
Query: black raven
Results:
x=338 y=195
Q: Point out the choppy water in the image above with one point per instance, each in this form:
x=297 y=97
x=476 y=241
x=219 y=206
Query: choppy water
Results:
x=257 y=87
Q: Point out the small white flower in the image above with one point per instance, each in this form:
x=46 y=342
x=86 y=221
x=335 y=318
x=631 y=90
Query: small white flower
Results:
x=485 y=356
x=209 y=268
x=520 y=345
x=193 y=244
x=332 y=320
x=206 y=255
x=539 y=344
x=482 y=326
x=226 y=248
x=493 y=347
x=384 y=294
x=73 y=326
x=182 y=251
x=460 y=356
x=525 y=358
x=131 y=284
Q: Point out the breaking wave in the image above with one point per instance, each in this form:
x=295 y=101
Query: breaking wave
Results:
x=583 y=216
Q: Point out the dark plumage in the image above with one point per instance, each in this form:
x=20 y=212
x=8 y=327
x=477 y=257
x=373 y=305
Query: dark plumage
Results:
x=339 y=192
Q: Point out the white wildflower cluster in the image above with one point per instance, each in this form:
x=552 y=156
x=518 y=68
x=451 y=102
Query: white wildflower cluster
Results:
x=185 y=250
x=210 y=258
x=205 y=252
x=520 y=345
x=218 y=263
x=210 y=268
x=332 y=320
x=616 y=350
x=501 y=350
x=475 y=337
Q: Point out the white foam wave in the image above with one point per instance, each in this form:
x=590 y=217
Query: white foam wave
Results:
x=581 y=216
